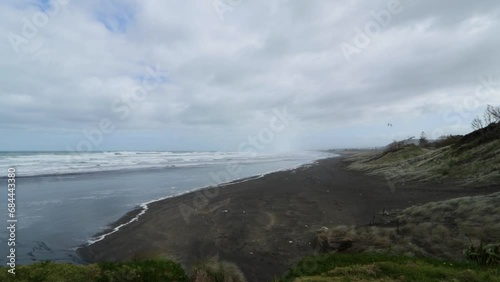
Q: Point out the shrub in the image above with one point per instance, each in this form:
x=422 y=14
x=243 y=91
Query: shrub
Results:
x=147 y=270
x=394 y=146
x=447 y=140
x=423 y=141
x=212 y=270
x=483 y=254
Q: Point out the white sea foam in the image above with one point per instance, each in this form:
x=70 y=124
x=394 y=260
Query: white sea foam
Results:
x=64 y=164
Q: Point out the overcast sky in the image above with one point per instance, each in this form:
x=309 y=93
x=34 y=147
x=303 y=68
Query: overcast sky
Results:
x=210 y=74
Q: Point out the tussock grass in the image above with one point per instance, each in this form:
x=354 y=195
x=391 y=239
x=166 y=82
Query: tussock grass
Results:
x=483 y=254
x=438 y=229
x=472 y=165
x=213 y=270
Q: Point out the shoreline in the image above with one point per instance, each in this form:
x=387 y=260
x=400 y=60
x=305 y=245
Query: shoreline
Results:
x=263 y=225
x=134 y=214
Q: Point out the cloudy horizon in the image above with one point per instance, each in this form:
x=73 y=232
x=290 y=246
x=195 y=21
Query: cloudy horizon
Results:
x=216 y=74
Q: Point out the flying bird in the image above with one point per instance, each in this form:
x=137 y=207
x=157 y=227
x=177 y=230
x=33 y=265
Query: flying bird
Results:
x=389 y=124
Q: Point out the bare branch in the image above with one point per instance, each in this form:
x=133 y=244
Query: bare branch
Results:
x=477 y=124
x=493 y=113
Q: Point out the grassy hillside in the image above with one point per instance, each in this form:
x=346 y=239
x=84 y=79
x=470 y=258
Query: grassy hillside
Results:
x=473 y=160
x=437 y=241
x=439 y=229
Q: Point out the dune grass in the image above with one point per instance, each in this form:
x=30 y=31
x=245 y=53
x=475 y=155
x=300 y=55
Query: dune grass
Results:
x=212 y=270
x=382 y=267
x=439 y=229
x=430 y=242
x=469 y=165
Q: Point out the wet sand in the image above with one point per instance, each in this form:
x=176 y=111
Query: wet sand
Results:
x=263 y=225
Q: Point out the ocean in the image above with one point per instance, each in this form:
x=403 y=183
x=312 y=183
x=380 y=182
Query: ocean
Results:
x=64 y=199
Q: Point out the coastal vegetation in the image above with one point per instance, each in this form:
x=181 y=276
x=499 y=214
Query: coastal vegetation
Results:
x=326 y=267
x=452 y=240
x=212 y=270
x=456 y=229
x=158 y=269
x=382 y=267
x=139 y=270
x=471 y=160
x=438 y=241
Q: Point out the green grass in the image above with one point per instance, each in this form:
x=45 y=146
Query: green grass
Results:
x=147 y=270
x=382 y=267
x=137 y=270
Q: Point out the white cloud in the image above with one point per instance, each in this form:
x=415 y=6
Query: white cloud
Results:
x=227 y=76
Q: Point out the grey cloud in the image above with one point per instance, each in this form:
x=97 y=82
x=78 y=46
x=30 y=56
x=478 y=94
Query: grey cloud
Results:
x=227 y=76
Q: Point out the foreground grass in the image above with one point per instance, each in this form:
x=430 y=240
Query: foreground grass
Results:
x=332 y=267
x=380 y=267
x=210 y=270
x=147 y=270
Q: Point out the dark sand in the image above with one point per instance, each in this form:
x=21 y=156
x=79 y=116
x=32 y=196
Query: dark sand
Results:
x=264 y=225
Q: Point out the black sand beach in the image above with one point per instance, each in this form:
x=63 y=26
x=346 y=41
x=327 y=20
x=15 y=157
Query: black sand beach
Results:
x=263 y=225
